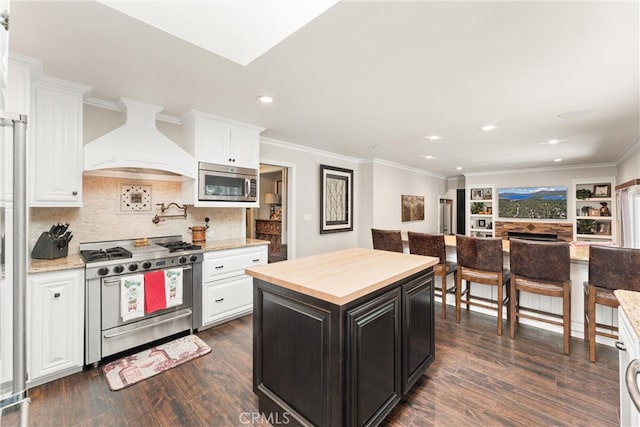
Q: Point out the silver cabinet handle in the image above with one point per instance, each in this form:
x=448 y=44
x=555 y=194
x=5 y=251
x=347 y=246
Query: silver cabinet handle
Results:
x=631 y=379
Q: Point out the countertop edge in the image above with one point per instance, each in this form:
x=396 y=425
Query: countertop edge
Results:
x=630 y=303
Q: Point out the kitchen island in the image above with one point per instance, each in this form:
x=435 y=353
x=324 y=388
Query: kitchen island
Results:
x=340 y=337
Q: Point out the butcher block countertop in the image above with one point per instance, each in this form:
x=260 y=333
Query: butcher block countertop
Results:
x=630 y=303
x=342 y=276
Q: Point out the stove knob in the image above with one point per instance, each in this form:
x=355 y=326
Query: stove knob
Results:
x=182 y=259
x=193 y=258
x=103 y=271
x=146 y=265
x=133 y=267
x=118 y=269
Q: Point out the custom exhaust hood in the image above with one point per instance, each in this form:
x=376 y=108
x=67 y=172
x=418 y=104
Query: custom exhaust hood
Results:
x=138 y=147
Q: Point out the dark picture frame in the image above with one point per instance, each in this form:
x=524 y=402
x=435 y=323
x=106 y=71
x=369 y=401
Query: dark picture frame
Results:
x=336 y=199
x=601 y=190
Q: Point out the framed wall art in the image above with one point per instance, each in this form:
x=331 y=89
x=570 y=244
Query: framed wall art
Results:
x=336 y=199
x=412 y=208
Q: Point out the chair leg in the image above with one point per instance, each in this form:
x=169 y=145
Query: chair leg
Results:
x=512 y=307
x=458 y=295
x=585 y=314
x=566 y=317
x=591 y=313
x=499 y=304
x=468 y=293
x=444 y=294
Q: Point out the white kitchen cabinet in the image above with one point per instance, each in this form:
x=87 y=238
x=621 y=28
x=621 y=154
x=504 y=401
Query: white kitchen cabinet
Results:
x=227 y=292
x=55 y=147
x=55 y=325
x=629 y=349
x=213 y=139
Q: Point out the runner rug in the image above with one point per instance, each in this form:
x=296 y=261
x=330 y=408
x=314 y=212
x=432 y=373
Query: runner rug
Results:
x=145 y=364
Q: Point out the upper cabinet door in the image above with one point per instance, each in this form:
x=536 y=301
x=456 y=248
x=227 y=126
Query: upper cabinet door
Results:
x=221 y=141
x=56 y=143
x=245 y=147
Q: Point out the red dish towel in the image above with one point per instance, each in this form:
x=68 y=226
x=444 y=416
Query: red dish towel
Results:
x=154 y=291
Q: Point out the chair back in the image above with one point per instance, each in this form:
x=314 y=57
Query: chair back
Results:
x=614 y=268
x=387 y=240
x=479 y=253
x=540 y=260
x=429 y=245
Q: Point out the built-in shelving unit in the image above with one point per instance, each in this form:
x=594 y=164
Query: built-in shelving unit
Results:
x=481 y=210
x=594 y=209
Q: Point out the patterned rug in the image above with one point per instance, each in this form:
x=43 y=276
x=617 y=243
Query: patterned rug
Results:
x=140 y=366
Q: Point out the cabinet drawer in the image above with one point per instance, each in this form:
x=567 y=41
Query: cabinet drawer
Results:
x=217 y=266
x=223 y=298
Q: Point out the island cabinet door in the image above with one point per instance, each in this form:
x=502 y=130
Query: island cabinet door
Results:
x=373 y=359
x=418 y=329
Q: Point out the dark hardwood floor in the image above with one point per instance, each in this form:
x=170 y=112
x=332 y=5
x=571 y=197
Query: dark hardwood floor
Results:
x=478 y=378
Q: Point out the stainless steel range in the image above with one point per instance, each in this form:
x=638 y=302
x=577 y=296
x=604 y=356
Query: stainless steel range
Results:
x=109 y=265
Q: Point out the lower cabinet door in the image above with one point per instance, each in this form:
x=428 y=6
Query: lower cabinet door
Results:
x=418 y=329
x=374 y=363
x=55 y=324
x=226 y=298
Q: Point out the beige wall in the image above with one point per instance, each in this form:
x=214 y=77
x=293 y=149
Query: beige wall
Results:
x=100 y=217
x=629 y=168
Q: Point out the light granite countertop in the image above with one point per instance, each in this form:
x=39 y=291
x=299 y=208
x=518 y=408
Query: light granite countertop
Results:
x=76 y=261
x=67 y=263
x=630 y=303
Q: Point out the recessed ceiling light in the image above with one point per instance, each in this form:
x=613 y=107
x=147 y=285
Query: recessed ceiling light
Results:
x=433 y=137
x=575 y=114
x=557 y=160
x=265 y=99
x=487 y=128
x=553 y=141
x=459 y=168
x=428 y=156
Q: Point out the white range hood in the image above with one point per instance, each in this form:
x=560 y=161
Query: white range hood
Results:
x=138 y=147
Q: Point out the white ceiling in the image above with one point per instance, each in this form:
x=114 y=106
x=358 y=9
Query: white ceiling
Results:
x=371 y=79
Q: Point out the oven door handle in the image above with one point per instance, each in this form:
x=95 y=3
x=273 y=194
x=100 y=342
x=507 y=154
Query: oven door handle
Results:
x=117 y=334
x=111 y=282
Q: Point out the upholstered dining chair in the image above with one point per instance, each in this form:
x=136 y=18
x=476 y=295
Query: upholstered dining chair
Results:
x=480 y=260
x=433 y=245
x=541 y=268
x=387 y=240
x=610 y=268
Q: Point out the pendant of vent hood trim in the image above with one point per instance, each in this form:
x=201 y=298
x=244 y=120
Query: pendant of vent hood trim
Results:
x=138 y=147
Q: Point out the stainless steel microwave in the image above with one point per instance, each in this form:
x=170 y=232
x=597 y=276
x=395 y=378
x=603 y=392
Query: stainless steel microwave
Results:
x=219 y=183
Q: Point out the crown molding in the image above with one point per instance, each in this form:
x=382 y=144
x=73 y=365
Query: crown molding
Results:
x=546 y=169
x=114 y=106
x=627 y=152
x=383 y=162
x=309 y=150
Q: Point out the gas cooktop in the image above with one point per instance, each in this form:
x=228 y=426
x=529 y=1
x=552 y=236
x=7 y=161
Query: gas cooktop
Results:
x=113 y=251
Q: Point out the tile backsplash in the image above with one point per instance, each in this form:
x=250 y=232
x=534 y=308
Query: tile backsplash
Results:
x=100 y=218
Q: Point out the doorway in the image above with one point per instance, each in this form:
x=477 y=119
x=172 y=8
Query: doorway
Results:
x=270 y=221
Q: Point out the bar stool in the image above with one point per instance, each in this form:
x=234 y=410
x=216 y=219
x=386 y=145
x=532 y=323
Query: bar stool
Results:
x=480 y=260
x=433 y=245
x=541 y=268
x=609 y=269
x=387 y=240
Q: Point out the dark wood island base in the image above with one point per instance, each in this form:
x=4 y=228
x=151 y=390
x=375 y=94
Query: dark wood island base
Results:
x=341 y=360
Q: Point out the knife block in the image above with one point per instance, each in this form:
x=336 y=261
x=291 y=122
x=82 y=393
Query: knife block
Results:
x=46 y=248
